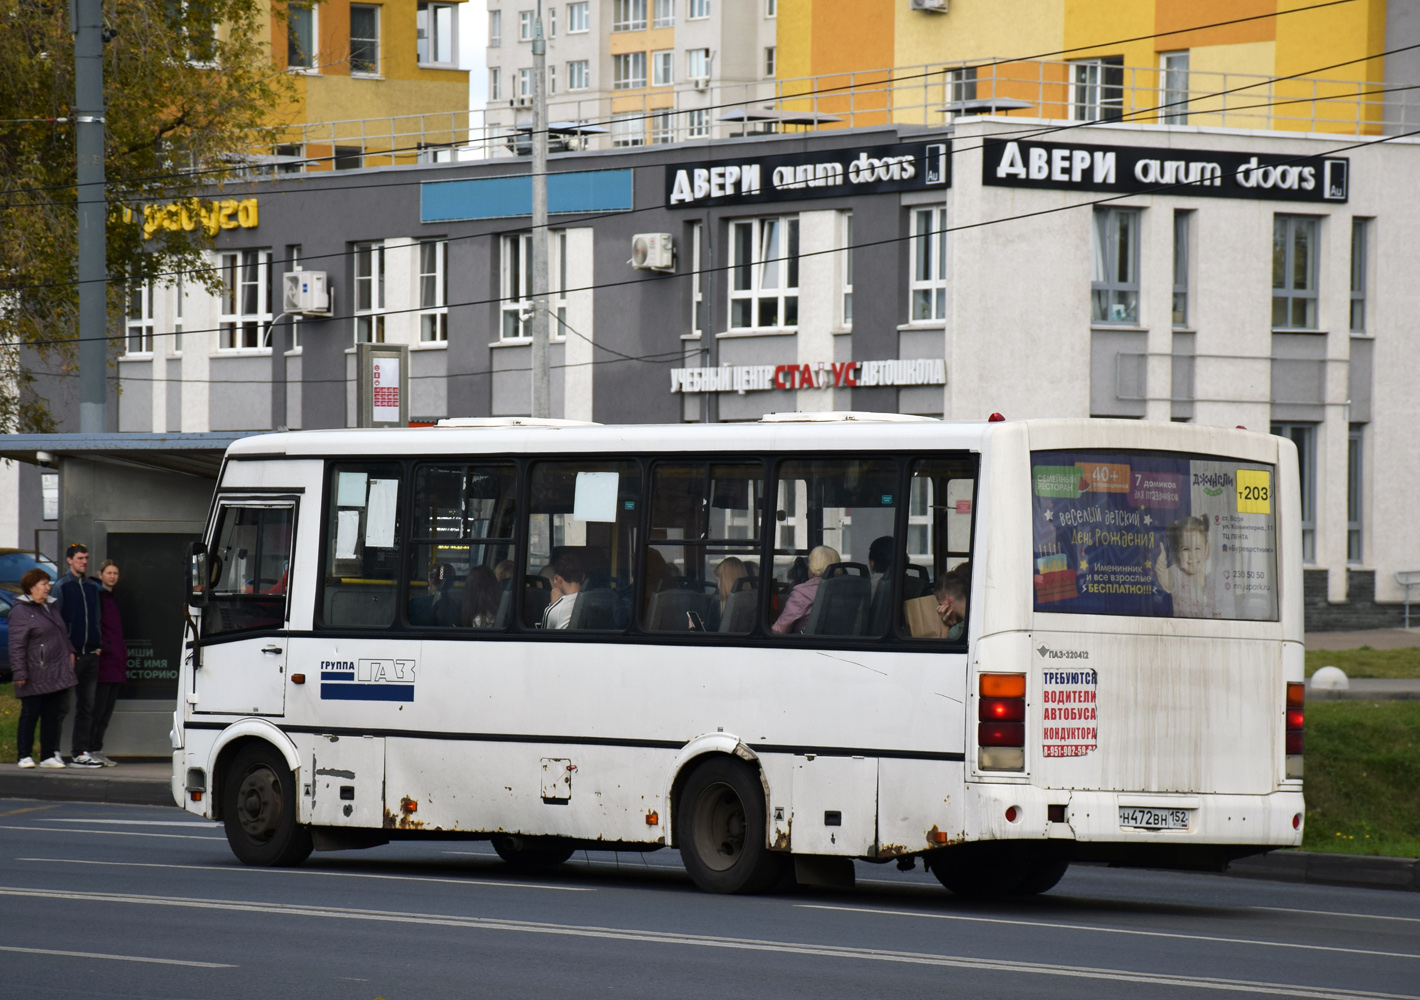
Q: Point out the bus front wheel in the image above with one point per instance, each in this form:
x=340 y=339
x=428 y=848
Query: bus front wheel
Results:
x=721 y=829
x=259 y=810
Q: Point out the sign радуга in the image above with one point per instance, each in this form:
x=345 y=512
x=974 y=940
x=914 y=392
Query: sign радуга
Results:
x=1208 y=173
x=911 y=166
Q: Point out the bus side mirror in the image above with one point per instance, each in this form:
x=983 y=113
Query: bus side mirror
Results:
x=197 y=577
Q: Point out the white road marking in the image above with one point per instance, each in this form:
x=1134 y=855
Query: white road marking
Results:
x=1051 y=925
x=109 y=833
x=116 y=958
x=710 y=941
x=1332 y=913
x=312 y=871
x=190 y=824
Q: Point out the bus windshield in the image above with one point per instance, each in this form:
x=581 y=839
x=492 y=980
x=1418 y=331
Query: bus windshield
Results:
x=1154 y=534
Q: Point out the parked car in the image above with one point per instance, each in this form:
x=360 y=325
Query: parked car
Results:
x=15 y=563
x=7 y=601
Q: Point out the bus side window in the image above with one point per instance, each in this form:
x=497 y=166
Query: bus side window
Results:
x=363 y=545
x=250 y=568
x=835 y=526
x=462 y=552
x=582 y=524
x=702 y=557
x=936 y=561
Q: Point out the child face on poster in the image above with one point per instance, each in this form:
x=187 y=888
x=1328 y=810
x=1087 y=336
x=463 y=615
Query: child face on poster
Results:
x=1192 y=551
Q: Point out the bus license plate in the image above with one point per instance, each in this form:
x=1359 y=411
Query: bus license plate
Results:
x=1153 y=819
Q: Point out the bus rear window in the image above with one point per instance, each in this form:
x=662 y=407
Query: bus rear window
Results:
x=1159 y=535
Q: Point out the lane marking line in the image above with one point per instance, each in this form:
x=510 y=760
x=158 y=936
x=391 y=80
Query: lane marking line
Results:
x=1051 y=925
x=1333 y=913
x=117 y=958
x=190 y=824
x=109 y=833
x=311 y=871
x=30 y=809
x=709 y=941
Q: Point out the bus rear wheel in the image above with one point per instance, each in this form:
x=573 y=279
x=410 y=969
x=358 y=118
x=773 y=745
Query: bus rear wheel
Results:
x=978 y=870
x=1041 y=875
x=532 y=852
x=722 y=832
x=259 y=809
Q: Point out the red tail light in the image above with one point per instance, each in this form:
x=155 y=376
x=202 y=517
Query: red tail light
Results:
x=1295 y=718
x=1002 y=710
x=1001 y=734
x=1001 y=729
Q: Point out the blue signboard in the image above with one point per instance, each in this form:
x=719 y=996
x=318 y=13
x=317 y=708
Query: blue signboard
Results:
x=507 y=197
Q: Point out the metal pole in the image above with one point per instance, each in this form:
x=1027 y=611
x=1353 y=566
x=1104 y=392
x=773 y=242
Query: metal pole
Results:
x=86 y=23
x=541 y=389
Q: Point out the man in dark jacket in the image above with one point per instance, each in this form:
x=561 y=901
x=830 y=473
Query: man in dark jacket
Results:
x=78 y=601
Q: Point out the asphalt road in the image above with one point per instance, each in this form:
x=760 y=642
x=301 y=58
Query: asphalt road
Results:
x=126 y=901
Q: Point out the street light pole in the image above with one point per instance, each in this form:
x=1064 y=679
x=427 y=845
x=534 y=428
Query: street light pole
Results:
x=86 y=23
x=541 y=389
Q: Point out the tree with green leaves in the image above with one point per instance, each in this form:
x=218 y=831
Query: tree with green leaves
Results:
x=187 y=86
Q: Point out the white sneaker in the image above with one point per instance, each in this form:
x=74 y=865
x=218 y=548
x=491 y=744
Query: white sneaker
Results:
x=102 y=759
x=84 y=759
x=55 y=761
x=27 y=762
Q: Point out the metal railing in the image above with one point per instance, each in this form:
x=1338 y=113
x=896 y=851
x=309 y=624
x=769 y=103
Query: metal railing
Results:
x=925 y=95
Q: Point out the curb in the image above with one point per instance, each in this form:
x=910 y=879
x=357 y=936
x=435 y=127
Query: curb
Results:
x=1359 y=871
x=86 y=787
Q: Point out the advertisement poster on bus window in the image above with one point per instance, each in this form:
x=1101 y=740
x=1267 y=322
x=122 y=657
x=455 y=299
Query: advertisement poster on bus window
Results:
x=1156 y=535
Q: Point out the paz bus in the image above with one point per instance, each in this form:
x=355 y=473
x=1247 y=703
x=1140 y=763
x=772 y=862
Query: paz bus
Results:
x=778 y=647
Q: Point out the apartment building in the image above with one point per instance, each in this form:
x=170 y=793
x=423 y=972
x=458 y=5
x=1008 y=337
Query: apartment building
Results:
x=632 y=72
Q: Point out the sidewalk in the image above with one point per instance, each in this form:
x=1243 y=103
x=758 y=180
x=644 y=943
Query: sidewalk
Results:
x=135 y=781
x=1379 y=638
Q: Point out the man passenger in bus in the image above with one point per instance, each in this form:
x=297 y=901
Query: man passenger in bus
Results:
x=567 y=577
x=439 y=606
x=795 y=615
x=951 y=591
x=880 y=560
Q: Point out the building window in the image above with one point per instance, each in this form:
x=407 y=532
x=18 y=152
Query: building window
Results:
x=1360 y=231
x=293 y=260
x=697 y=292
x=1304 y=437
x=552 y=80
x=1098 y=89
x=517 y=288
x=179 y=308
x=434 y=27
x=1181 y=221
x=628 y=129
x=577 y=18
x=764 y=291
x=495 y=84
x=1354 y=441
x=928 y=287
x=301 y=36
x=697 y=124
x=847 y=270
x=663 y=14
x=246 y=299
x=525 y=25
x=961 y=84
x=525 y=84
x=628 y=71
x=433 y=291
x=628 y=15
x=1115 y=285
x=369 y=293
x=578 y=75
x=697 y=9
x=139 y=317
x=663 y=68
x=364 y=40
x=697 y=65
x=1173 y=79
x=663 y=127
x=771 y=8
x=552 y=21
x=769 y=61
x=1294 y=272
x=495 y=28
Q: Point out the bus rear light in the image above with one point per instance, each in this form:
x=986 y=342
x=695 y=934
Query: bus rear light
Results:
x=1296 y=695
x=1001 y=758
x=1294 y=744
x=1002 y=710
x=1296 y=721
x=1003 y=685
x=1297 y=821
x=1012 y=814
x=1294 y=716
x=1001 y=734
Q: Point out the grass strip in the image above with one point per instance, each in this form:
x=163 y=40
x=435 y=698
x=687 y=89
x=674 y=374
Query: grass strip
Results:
x=1367 y=662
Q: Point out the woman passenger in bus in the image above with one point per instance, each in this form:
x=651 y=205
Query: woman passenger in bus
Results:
x=481 y=594
x=801 y=599
x=730 y=569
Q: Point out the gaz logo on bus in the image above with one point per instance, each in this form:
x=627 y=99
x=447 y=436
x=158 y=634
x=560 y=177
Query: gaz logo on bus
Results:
x=367 y=680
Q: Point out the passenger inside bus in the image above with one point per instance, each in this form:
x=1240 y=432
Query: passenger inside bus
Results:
x=567 y=579
x=950 y=591
x=481 y=596
x=800 y=604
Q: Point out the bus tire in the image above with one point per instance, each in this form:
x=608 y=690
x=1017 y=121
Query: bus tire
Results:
x=532 y=852
x=1041 y=875
x=721 y=829
x=978 y=870
x=259 y=809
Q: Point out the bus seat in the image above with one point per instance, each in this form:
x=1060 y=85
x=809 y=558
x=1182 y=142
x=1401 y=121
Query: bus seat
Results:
x=595 y=609
x=740 y=606
x=537 y=594
x=915 y=582
x=361 y=604
x=841 y=605
x=671 y=606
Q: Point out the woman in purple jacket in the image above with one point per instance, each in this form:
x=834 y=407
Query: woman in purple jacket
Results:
x=43 y=661
x=113 y=661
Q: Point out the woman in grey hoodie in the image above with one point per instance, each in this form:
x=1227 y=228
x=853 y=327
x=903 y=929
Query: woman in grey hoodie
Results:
x=43 y=660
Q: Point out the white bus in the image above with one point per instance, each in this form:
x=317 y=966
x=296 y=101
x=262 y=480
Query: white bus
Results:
x=777 y=647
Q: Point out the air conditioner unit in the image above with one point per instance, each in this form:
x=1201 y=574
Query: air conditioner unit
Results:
x=524 y=101
x=700 y=82
x=305 y=293
x=652 y=252
x=935 y=6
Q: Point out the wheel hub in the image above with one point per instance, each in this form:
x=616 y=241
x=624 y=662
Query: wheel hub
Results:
x=259 y=804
